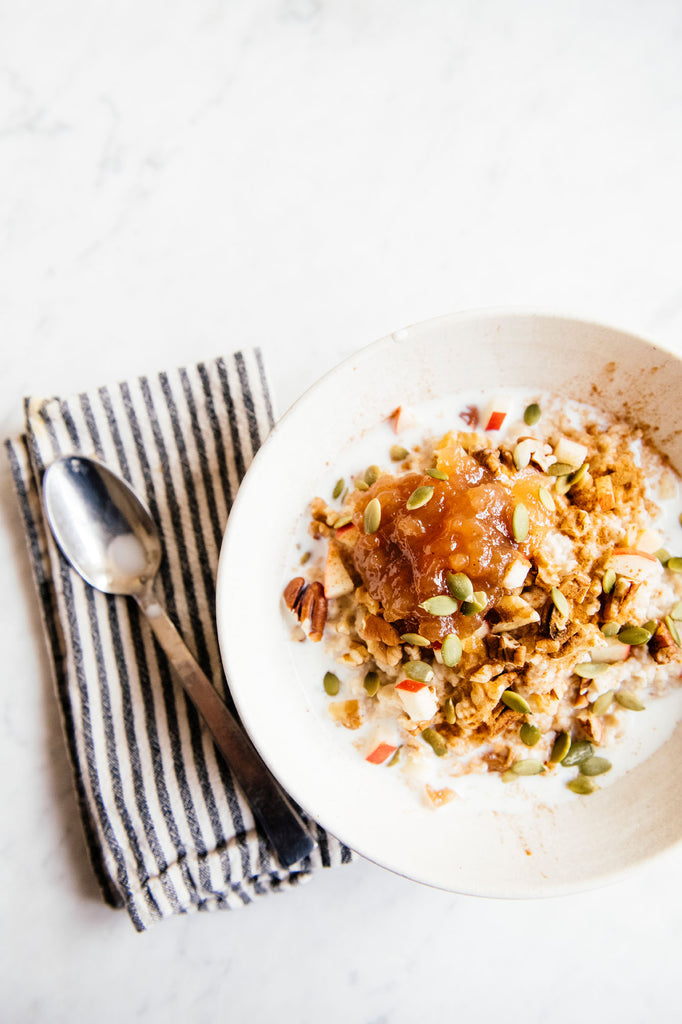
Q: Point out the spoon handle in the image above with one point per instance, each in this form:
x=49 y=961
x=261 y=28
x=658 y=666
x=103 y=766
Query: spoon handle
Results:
x=282 y=825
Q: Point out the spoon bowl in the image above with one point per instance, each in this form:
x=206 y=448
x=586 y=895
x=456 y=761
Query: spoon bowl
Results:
x=101 y=526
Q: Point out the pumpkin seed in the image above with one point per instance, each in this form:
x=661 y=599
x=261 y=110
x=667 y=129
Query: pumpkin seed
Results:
x=662 y=555
x=331 y=684
x=361 y=485
x=560 y=602
x=449 y=711
x=528 y=766
x=372 y=516
x=594 y=766
x=574 y=478
x=674 y=564
x=342 y=521
x=437 y=474
x=420 y=496
x=460 y=586
x=520 y=523
x=610 y=628
x=395 y=758
x=476 y=605
x=398 y=453
x=415 y=639
x=650 y=625
x=521 y=454
x=635 y=635
x=420 y=671
x=590 y=669
x=680 y=518
x=562 y=485
x=451 y=651
x=530 y=734
x=435 y=741
x=608 y=581
x=581 y=785
x=441 y=605
x=560 y=748
x=602 y=703
x=546 y=499
x=304 y=558
x=509 y=776
x=338 y=487
x=516 y=702
x=628 y=700
x=560 y=469
x=532 y=414
x=372 y=474
x=577 y=752
x=371 y=683
x=676 y=613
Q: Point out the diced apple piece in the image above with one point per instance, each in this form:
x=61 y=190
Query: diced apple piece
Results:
x=634 y=565
x=613 y=651
x=380 y=753
x=342 y=530
x=515 y=575
x=606 y=499
x=649 y=541
x=418 y=700
x=495 y=413
x=337 y=582
x=570 y=452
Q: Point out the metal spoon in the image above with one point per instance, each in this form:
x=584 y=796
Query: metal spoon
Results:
x=110 y=539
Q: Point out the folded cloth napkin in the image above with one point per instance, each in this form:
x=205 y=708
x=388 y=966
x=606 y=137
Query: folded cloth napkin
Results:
x=167 y=828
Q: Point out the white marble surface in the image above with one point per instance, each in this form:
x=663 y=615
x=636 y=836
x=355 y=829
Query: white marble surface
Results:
x=180 y=178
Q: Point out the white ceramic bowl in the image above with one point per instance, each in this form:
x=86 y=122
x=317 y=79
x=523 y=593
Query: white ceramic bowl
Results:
x=461 y=847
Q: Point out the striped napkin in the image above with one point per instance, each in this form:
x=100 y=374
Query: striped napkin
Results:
x=167 y=828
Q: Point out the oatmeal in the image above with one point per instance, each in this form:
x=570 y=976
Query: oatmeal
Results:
x=497 y=596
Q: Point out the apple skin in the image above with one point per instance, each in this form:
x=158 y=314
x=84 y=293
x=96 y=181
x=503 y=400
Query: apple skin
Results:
x=613 y=652
x=380 y=753
x=635 y=565
x=336 y=580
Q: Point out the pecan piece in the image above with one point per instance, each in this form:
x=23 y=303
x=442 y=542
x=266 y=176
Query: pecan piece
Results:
x=376 y=628
x=293 y=591
x=307 y=602
x=318 y=612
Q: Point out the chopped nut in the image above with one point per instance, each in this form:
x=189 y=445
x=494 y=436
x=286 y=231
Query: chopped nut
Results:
x=662 y=646
x=346 y=712
x=515 y=613
x=292 y=592
x=438 y=797
x=376 y=628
